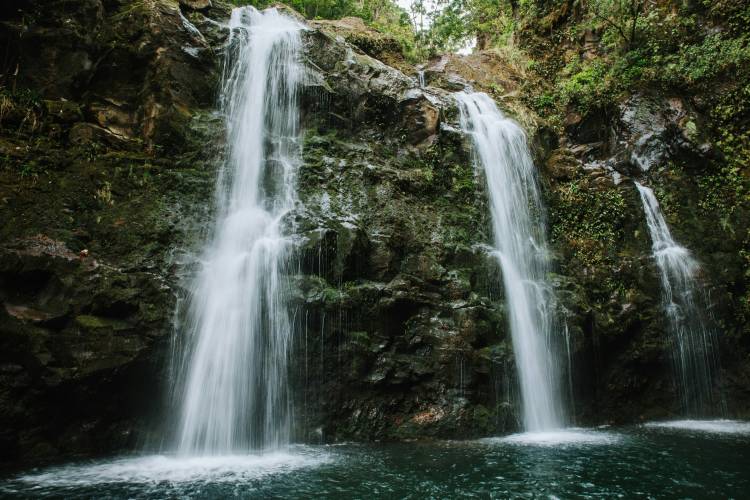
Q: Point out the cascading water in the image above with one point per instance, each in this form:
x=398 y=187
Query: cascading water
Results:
x=520 y=246
x=695 y=360
x=234 y=373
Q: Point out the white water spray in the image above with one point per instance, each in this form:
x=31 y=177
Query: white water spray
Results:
x=520 y=246
x=234 y=373
x=694 y=348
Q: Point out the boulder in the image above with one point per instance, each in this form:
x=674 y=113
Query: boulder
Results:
x=653 y=130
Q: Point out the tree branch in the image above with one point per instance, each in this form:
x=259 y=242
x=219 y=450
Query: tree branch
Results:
x=619 y=29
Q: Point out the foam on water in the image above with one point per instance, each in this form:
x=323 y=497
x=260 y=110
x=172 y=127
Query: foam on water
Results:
x=563 y=437
x=719 y=426
x=643 y=463
x=155 y=469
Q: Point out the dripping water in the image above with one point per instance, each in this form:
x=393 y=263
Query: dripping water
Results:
x=693 y=341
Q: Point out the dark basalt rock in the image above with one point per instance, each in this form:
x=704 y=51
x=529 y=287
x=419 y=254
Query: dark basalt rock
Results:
x=645 y=132
x=656 y=130
x=196 y=4
x=74 y=329
x=135 y=68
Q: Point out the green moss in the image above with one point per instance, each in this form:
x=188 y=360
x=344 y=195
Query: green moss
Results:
x=96 y=323
x=723 y=191
x=360 y=337
x=463 y=180
x=589 y=221
x=585 y=85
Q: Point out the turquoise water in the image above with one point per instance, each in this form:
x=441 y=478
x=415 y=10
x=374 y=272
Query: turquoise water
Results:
x=664 y=462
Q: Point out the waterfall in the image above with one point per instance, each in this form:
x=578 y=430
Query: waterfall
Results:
x=420 y=79
x=520 y=246
x=234 y=372
x=693 y=342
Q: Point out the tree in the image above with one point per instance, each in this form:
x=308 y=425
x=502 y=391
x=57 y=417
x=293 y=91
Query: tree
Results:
x=620 y=15
x=458 y=21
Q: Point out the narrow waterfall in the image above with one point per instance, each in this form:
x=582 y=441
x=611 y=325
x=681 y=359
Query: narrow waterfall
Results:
x=501 y=150
x=693 y=342
x=235 y=396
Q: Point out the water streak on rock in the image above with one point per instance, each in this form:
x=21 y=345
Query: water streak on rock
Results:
x=693 y=341
x=520 y=246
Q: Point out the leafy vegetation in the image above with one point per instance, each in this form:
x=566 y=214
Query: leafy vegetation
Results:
x=457 y=22
x=383 y=15
x=672 y=46
x=590 y=221
x=19 y=109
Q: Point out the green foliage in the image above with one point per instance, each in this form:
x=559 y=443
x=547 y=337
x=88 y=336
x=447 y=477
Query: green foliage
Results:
x=589 y=220
x=723 y=192
x=462 y=177
x=21 y=96
x=587 y=86
x=620 y=17
x=448 y=31
x=682 y=48
x=22 y=107
x=456 y=22
x=31 y=169
x=696 y=63
x=544 y=102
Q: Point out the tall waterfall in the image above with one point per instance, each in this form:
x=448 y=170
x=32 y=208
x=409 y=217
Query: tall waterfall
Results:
x=520 y=246
x=693 y=342
x=234 y=373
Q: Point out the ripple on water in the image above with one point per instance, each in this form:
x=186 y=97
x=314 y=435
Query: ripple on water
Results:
x=573 y=436
x=719 y=426
x=155 y=469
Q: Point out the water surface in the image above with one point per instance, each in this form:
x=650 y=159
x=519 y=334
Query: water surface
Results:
x=647 y=461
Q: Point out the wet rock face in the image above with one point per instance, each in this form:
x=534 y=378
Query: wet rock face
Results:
x=643 y=133
x=74 y=329
x=52 y=53
x=655 y=130
x=99 y=209
x=355 y=91
x=623 y=357
x=401 y=336
x=94 y=216
x=136 y=68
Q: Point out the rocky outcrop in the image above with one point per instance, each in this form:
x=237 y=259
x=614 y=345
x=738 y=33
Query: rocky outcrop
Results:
x=135 y=68
x=646 y=131
x=98 y=210
x=372 y=42
x=106 y=114
x=401 y=337
x=78 y=342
